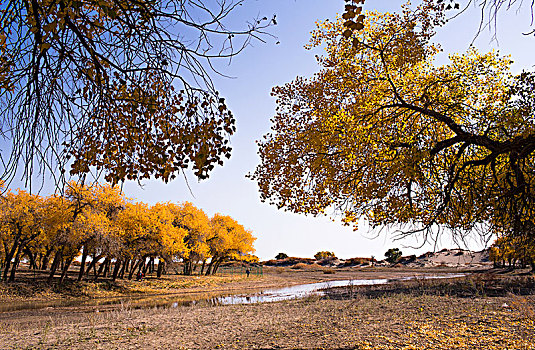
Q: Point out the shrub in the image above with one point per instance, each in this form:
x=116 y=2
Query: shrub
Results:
x=281 y=256
x=393 y=255
x=299 y=266
x=357 y=261
x=324 y=255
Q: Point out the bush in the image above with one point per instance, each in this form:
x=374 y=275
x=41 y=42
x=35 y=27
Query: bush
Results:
x=407 y=259
x=289 y=261
x=393 y=255
x=281 y=256
x=299 y=266
x=324 y=255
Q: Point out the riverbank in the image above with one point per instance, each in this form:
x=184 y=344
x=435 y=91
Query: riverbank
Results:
x=29 y=289
x=402 y=316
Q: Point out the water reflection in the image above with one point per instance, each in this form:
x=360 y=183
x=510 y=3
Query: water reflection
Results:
x=213 y=299
x=305 y=290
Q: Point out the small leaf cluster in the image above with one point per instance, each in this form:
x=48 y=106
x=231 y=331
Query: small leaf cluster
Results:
x=353 y=16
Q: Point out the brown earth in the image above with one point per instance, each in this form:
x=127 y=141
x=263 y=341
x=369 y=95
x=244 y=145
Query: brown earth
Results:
x=408 y=316
x=27 y=288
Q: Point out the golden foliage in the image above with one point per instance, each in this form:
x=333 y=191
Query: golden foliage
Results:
x=116 y=87
x=100 y=222
x=381 y=132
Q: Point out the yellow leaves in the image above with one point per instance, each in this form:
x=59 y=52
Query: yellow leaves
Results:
x=508 y=248
x=365 y=134
x=159 y=132
x=99 y=219
x=228 y=239
x=352 y=11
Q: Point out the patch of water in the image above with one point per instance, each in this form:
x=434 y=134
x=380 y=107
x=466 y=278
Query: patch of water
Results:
x=311 y=289
x=174 y=301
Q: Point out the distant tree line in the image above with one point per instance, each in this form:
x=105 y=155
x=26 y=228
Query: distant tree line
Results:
x=113 y=237
x=509 y=251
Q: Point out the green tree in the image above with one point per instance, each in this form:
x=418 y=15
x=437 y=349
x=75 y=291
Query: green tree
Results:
x=393 y=255
x=281 y=256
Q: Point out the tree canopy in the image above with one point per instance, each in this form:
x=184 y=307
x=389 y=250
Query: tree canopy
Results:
x=381 y=132
x=121 y=89
x=393 y=255
x=98 y=223
x=324 y=255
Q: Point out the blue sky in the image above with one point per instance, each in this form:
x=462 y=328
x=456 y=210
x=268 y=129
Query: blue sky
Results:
x=265 y=65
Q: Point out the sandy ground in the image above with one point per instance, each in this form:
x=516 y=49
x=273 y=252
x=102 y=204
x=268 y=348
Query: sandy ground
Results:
x=397 y=322
x=27 y=290
x=390 y=321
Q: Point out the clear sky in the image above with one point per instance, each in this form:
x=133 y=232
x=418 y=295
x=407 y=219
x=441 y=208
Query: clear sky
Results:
x=264 y=65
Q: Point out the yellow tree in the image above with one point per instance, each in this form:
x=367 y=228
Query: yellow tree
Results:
x=196 y=225
x=100 y=239
x=509 y=248
x=57 y=221
x=147 y=233
x=123 y=86
x=134 y=224
x=228 y=240
x=22 y=223
x=72 y=222
x=169 y=238
x=382 y=132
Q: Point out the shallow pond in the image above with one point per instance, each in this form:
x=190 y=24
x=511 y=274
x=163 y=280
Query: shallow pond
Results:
x=214 y=298
x=304 y=290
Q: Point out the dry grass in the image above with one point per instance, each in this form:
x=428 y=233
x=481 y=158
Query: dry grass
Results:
x=392 y=322
x=406 y=315
x=472 y=286
x=28 y=289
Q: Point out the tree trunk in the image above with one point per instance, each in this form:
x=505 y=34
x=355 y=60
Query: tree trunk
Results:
x=32 y=257
x=209 y=269
x=105 y=273
x=93 y=264
x=203 y=265
x=102 y=266
x=44 y=260
x=9 y=257
x=217 y=266
x=116 y=268
x=185 y=269
x=151 y=265
x=161 y=263
x=145 y=266
x=124 y=268
x=15 y=264
x=66 y=266
x=134 y=267
x=82 y=264
x=55 y=264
